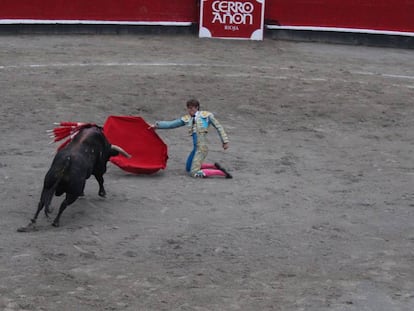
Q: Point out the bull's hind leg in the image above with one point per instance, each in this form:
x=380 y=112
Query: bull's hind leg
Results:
x=45 y=200
x=32 y=225
x=70 y=198
x=42 y=202
x=39 y=208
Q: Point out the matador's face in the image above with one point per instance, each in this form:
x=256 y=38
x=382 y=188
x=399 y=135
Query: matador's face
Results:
x=192 y=110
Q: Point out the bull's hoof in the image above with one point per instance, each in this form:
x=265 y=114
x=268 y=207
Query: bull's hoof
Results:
x=55 y=224
x=102 y=194
x=29 y=228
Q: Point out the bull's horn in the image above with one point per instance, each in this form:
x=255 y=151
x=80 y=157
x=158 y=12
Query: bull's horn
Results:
x=121 y=151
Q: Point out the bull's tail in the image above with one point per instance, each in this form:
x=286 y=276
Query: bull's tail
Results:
x=52 y=180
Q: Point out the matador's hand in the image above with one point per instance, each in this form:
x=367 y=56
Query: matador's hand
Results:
x=153 y=126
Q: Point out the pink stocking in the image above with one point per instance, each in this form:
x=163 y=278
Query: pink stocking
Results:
x=208 y=166
x=213 y=172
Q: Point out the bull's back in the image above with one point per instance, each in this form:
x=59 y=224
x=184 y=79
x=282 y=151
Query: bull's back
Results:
x=91 y=137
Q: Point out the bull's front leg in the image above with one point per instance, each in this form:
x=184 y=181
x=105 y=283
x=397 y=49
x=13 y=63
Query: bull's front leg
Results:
x=100 y=180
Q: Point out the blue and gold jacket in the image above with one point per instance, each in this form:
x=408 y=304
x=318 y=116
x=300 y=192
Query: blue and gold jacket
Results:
x=198 y=125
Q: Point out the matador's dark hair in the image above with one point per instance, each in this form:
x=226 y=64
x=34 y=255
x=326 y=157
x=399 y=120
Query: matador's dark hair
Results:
x=193 y=103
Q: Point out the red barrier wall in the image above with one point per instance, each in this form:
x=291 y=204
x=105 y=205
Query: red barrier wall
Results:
x=388 y=15
x=101 y=10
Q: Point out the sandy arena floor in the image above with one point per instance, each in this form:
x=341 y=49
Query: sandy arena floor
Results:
x=319 y=215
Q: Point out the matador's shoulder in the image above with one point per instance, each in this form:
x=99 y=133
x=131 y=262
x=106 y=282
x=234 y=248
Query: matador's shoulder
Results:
x=186 y=118
x=205 y=114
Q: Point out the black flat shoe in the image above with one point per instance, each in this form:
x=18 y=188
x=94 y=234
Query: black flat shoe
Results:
x=228 y=175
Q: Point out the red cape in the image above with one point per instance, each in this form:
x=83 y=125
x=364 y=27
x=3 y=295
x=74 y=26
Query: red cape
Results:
x=149 y=153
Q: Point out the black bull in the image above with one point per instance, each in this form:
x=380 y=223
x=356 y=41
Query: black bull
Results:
x=87 y=154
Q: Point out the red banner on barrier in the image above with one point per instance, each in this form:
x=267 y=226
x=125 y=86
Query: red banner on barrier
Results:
x=241 y=19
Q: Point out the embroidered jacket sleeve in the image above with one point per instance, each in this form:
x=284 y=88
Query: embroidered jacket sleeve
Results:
x=174 y=123
x=219 y=128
